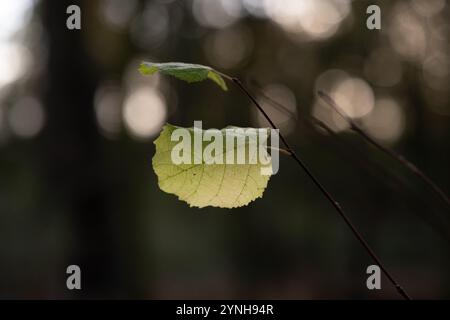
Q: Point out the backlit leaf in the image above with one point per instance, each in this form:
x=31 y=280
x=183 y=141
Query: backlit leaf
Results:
x=200 y=185
x=184 y=71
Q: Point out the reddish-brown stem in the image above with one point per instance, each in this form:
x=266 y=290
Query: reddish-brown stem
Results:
x=324 y=191
x=402 y=160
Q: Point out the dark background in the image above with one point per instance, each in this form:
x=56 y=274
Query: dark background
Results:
x=77 y=124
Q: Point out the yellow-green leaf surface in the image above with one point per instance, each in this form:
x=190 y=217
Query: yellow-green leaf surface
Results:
x=184 y=71
x=201 y=185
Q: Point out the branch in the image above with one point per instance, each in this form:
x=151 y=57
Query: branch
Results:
x=324 y=191
x=273 y=103
x=402 y=160
x=281 y=150
x=360 y=160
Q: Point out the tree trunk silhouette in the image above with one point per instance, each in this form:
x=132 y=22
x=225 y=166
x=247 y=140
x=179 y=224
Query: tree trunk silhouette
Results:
x=71 y=153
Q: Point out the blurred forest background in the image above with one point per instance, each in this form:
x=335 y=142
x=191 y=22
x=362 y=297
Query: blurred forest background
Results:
x=77 y=124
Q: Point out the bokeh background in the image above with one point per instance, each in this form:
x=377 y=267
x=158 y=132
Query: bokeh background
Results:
x=77 y=124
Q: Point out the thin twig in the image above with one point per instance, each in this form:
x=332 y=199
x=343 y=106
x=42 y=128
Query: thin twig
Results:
x=313 y=122
x=402 y=160
x=281 y=150
x=273 y=103
x=325 y=192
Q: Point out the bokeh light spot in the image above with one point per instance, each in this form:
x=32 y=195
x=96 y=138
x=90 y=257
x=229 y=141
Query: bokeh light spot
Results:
x=386 y=122
x=229 y=47
x=144 y=112
x=26 y=117
x=285 y=98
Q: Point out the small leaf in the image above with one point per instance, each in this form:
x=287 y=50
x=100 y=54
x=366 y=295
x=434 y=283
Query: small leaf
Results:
x=217 y=78
x=219 y=185
x=184 y=71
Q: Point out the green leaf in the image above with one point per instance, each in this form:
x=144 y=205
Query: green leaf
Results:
x=201 y=185
x=184 y=71
x=217 y=78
